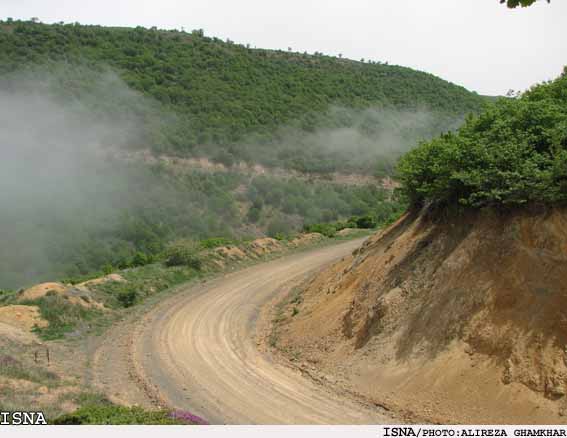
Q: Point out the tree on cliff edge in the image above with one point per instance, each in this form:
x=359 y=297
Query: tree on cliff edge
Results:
x=522 y=3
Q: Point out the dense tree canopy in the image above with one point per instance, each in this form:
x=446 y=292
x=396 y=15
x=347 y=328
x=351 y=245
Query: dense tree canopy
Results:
x=522 y=3
x=230 y=101
x=513 y=153
x=185 y=95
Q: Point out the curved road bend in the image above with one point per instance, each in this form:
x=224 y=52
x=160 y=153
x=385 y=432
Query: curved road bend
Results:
x=200 y=351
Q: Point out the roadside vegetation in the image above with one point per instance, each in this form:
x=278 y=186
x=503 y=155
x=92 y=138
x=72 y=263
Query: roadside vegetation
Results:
x=181 y=261
x=97 y=410
x=26 y=379
x=65 y=318
x=512 y=154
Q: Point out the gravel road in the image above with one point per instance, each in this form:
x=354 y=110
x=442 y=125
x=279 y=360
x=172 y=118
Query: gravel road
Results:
x=198 y=351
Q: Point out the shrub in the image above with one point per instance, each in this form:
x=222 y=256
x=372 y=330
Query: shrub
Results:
x=107 y=413
x=6 y=295
x=254 y=214
x=328 y=230
x=514 y=153
x=63 y=317
x=279 y=228
x=366 y=222
x=215 y=242
x=142 y=259
x=127 y=298
x=183 y=253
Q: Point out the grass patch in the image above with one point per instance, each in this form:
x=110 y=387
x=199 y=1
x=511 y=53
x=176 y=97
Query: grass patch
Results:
x=6 y=296
x=295 y=298
x=141 y=283
x=96 y=409
x=63 y=317
x=216 y=242
x=14 y=369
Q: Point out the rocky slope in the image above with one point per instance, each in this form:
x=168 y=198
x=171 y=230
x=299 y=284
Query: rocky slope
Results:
x=453 y=319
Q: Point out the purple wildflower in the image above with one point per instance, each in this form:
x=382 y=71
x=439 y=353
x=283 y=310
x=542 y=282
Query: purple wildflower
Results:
x=188 y=417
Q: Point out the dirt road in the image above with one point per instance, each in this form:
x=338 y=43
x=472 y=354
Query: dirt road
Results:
x=197 y=351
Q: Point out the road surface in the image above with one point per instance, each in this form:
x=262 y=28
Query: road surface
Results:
x=198 y=351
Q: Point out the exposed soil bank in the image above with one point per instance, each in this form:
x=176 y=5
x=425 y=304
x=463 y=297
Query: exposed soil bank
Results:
x=453 y=319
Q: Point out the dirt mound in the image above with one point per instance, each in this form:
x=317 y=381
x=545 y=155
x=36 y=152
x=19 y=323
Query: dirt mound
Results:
x=80 y=294
x=231 y=252
x=22 y=317
x=346 y=231
x=455 y=319
x=17 y=335
x=264 y=246
x=40 y=290
x=306 y=239
x=102 y=280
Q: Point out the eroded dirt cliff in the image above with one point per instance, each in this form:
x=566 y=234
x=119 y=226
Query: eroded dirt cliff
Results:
x=453 y=318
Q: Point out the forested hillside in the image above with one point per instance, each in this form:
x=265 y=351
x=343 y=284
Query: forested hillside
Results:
x=77 y=102
x=118 y=215
x=231 y=102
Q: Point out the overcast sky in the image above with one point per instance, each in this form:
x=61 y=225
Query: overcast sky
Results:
x=479 y=44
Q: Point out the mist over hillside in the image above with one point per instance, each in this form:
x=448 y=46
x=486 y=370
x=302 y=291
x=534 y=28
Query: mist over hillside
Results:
x=71 y=204
x=75 y=100
x=59 y=184
x=233 y=103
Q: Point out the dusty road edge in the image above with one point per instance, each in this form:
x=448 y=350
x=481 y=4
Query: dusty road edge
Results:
x=265 y=327
x=117 y=372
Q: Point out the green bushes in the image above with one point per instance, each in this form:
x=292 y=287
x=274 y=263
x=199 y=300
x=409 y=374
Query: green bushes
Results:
x=365 y=222
x=108 y=413
x=215 y=242
x=317 y=202
x=63 y=317
x=183 y=253
x=6 y=295
x=279 y=228
x=514 y=153
x=205 y=83
x=169 y=207
x=328 y=230
x=141 y=283
x=127 y=298
x=95 y=409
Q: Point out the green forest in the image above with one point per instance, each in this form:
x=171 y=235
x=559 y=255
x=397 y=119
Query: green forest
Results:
x=123 y=215
x=232 y=103
x=70 y=209
x=514 y=153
